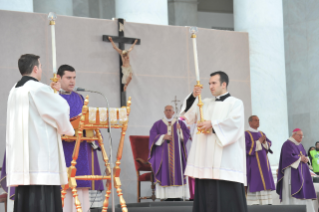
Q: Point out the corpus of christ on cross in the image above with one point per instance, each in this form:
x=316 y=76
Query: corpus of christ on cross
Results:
x=121 y=40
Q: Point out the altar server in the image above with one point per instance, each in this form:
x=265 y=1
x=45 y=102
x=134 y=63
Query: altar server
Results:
x=217 y=158
x=36 y=119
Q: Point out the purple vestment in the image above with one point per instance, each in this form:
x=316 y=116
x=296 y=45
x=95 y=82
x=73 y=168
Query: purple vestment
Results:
x=3 y=179
x=165 y=167
x=259 y=176
x=301 y=181
x=87 y=162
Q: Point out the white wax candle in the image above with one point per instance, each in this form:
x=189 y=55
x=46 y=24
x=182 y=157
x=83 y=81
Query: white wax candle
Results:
x=195 y=59
x=53 y=49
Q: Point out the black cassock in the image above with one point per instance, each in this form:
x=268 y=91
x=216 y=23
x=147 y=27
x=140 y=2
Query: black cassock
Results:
x=38 y=198
x=219 y=196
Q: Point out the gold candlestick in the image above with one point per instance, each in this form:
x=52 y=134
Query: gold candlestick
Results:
x=193 y=31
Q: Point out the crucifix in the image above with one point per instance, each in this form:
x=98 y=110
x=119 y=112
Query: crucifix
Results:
x=176 y=102
x=121 y=40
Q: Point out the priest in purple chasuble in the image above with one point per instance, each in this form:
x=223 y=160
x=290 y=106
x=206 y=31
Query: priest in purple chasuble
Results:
x=294 y=182
x=259 y=177
x=164 y=156
x=87 y=163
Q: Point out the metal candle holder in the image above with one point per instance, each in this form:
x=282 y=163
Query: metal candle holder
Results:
x=193 y=31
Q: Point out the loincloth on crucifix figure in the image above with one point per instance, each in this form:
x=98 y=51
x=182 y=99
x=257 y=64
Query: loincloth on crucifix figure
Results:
x=126 y=67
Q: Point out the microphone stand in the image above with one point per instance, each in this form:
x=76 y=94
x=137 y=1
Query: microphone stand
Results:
x=180 y=158
x=111 y=141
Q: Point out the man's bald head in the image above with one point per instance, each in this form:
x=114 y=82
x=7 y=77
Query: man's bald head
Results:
x=254 y=122
x=169 y=111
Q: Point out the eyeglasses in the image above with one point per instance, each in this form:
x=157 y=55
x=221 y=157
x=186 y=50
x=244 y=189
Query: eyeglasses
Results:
x=301 y=135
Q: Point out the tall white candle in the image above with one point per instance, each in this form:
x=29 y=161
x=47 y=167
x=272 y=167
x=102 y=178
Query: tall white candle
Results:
x=53 y=49
x=195 y=58
x=52 y=17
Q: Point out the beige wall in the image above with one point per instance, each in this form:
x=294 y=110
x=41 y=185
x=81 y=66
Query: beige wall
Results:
x=162 y=65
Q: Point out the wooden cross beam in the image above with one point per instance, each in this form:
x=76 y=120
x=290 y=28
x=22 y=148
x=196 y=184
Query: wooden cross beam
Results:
x=121 y=40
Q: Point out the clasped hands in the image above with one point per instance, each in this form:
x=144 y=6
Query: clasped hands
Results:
x=262 y=139
x=168 y=137
x=304 y=159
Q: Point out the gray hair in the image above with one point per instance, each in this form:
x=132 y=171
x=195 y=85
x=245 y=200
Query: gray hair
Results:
x=251 y=118
x=293 y=133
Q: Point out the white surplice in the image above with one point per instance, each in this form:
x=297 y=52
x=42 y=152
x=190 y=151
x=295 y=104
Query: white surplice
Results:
x=36 y=119
x=220 y=155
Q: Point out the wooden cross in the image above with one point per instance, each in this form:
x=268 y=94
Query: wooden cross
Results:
x=121 y=40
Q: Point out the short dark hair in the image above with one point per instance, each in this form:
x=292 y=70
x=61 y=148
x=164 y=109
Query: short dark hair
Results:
x=27 y=62
x=223 y=77
x=316 y=143
x=64 y=68
x=251 y=118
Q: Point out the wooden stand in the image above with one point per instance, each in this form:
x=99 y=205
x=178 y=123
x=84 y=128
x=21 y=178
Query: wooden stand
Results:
x=83 y=123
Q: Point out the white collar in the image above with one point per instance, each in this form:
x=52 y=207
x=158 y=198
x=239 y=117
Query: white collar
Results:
x=218 y=97
x=252 y=129
x=171 y=119
x=294 y=141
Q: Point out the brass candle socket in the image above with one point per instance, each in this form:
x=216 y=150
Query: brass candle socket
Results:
x=55 y=79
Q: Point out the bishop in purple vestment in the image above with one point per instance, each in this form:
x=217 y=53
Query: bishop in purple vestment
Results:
x=259 y=177
x=294 y=182
x=164 y=156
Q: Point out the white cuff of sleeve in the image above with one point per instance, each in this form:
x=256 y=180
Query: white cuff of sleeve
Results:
x=160 y=141
x=258 y=146
x=266 y=145
x=296 y=164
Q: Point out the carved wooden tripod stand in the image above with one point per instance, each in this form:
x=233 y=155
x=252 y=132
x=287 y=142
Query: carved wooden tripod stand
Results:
x=83 y=123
